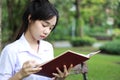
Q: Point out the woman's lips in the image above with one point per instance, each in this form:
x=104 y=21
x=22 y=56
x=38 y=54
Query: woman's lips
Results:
x=42 y=37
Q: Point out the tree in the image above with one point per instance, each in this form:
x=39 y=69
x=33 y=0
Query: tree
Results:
x=15 y=11
x=79 y=29
x=88 y=13
x=0 y=21
x=12 y=17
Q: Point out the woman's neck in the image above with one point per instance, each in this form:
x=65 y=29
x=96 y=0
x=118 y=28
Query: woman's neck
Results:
x=34 y=44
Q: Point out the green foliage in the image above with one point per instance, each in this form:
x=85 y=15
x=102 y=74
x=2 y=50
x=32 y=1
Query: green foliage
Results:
x=12 y=11
x=112 y=47
x=99 y=32
x=84 y=41
x=60 y=34
x=92 y=12
x=96 y=30
x=116 y=33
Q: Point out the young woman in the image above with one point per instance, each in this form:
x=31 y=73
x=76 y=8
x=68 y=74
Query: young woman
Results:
x=22 y=58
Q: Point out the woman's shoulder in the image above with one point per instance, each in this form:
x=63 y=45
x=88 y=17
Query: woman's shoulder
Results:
x=11 y=46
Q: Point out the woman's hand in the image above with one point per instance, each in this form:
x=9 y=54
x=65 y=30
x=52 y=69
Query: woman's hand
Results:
x=62 y=75
x=28 y=68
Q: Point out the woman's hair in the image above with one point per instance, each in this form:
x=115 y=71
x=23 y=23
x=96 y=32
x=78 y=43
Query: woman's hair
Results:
x=37 y=10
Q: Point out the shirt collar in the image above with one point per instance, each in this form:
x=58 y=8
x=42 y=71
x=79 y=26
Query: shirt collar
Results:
x=24 y=45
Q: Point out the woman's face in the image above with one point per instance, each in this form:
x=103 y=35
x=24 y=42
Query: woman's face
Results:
x=40 y=29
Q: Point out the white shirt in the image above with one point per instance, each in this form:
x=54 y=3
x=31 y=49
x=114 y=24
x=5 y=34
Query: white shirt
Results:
x=15 y=54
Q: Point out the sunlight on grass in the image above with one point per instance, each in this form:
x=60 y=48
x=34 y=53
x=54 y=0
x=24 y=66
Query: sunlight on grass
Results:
x=104 y=67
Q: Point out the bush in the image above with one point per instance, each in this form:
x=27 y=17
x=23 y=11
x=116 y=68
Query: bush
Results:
x=116 y=33
x=84 y=41
x=117 y=37
x=112 y=47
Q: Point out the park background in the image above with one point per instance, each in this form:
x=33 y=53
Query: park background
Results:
x=84 y=26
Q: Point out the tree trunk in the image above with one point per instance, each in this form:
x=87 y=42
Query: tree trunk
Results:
x=0 y=23
x=11 y=6
x=14 y=11
x=79 y=31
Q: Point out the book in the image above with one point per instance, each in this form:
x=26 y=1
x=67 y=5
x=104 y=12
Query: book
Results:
x=66 y=58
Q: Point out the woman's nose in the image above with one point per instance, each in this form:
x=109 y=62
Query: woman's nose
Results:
x=46 y=31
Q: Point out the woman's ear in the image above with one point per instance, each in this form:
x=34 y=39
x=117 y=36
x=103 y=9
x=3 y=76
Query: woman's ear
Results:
x=29 y=18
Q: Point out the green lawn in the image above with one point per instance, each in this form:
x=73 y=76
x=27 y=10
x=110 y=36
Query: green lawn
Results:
x=100 y=66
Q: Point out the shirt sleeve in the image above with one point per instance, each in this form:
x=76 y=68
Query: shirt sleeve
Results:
x=7 y=63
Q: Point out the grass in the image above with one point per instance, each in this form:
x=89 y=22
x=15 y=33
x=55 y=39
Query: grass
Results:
x=100 y=66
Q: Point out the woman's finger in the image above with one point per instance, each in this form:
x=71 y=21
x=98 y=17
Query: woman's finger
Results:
x=30 y=67
x=35 y=70
x=56 y=75
x=65 y=71
x=70 y=68
x=59 y=71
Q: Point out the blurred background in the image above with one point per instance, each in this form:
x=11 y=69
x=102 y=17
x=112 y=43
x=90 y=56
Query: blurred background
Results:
x=84 y=20
x=84 y=26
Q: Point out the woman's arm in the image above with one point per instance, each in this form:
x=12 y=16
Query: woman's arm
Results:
x=17 y=76
x=28 y=68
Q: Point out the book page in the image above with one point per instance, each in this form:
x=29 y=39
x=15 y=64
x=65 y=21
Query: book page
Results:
x=88 y=55
x=92 y=54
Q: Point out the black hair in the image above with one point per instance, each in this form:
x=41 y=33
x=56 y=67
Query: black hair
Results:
x=38 y=10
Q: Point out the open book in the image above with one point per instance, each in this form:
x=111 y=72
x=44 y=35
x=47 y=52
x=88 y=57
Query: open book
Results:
x=67 y=58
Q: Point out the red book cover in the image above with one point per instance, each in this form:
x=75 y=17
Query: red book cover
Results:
x=67 y=58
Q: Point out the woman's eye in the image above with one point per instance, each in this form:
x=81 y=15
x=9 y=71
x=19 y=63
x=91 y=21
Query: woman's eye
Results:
x=44 y=25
